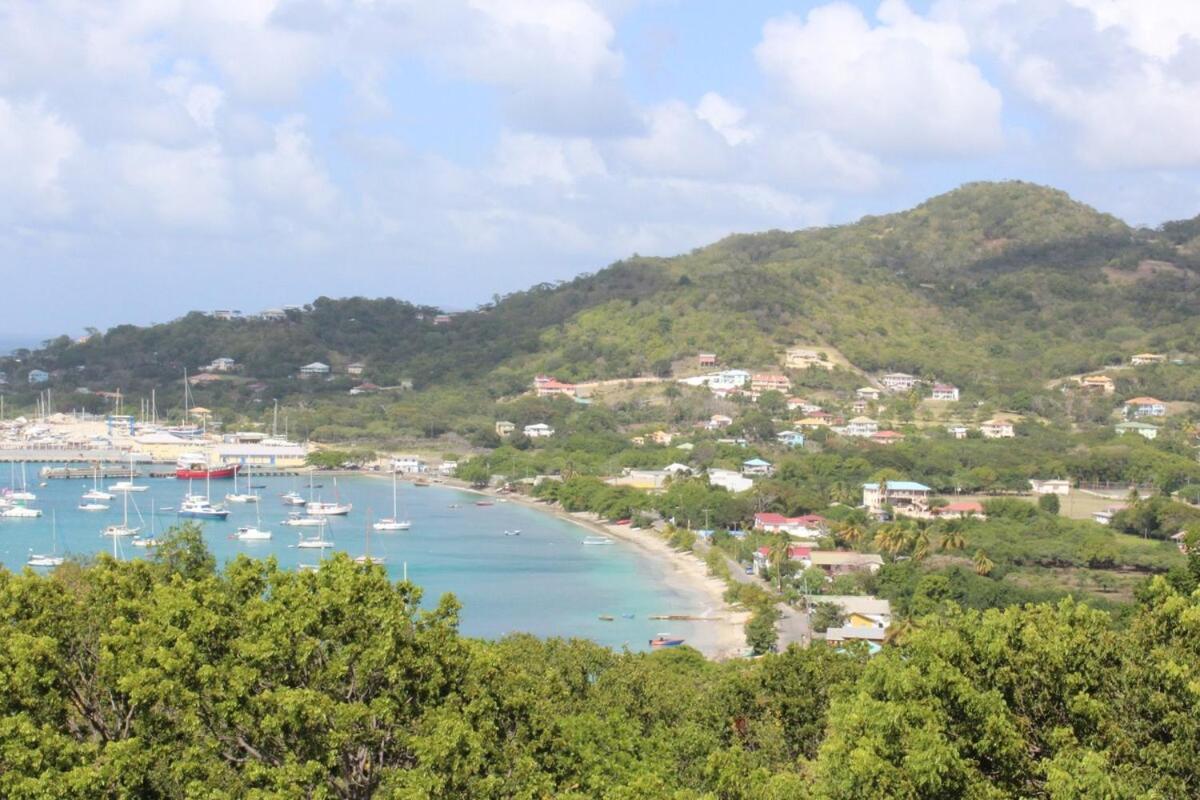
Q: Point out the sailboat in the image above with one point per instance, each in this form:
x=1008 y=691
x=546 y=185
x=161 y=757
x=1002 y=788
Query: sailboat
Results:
x=318 y=542
x=95 y=493
x=147 y=541
x=366 y=557
x=129 y=485
x=236 y=497
x=335 y=509
x=123 y=529
x=51 y=559
x=394 y=523
x=196 y=507
x=253 y=533
x=24 y=495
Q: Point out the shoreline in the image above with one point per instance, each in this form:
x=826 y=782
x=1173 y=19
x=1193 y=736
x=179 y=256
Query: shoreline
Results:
x=721 y=639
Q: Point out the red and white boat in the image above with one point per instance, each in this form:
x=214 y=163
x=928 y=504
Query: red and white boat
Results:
x=193 y=466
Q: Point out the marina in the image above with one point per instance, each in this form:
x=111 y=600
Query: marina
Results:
x=541 y=581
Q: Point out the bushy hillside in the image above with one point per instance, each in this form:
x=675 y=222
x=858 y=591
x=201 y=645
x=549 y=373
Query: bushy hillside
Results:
x=999 y=286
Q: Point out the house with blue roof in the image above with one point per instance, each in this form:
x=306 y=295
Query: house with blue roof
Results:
x=756 y=466
x=903 y=497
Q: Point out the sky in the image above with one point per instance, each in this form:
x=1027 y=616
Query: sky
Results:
x=162 y=156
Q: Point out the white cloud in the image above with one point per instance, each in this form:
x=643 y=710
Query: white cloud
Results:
x=35 y=145
x=288 y=176
x=187 y=188
x=1123 y=76
x=726 y=118
x=905 y=85
x=523 y=159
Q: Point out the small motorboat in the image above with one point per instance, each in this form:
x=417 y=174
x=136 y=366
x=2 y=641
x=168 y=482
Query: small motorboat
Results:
x=20 y=512
x=42 y=560
x=512 y=533
x=368 y=560
x=144 y=541
x=484 y=503
x=250 y=533
x=607 y=617
x=92 y=507
x=665 y=640
x=293 y=499
x=258 y=486
x=300 y=521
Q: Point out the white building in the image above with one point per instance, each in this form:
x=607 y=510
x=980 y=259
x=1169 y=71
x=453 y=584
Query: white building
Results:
x=860 y=426
x=957 y=431
x=539 y=430
x=729 y=480
x=1060 y=486
x=945 y=392
x=314 y=369
x=867 y=393
x=899 y=382
x=1141 y=428
x=222 y=364
x=903 y=496
x=409 y=464
x=1145 y=407
x=997 y=429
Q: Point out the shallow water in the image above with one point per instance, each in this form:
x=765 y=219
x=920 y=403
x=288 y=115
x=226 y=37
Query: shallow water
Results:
x=544 y=581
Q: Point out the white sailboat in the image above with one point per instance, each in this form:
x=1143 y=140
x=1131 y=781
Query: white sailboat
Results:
x=147 y=541
x=366 y=557
x=51 y=559
x=23 y=494
x=20 y=512
x=337 y=508
x=95 y=493
x=318 y=542
x=238 y=497
x=393 y=523
x=123 y=529
x=255 y=532
x=129 y=485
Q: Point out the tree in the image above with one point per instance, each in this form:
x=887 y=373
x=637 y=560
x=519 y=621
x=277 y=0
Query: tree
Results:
x=182 y=552
x=761 y=635
x=476 y=471
x=1049 y=503
x=825 y=615
x=983 y=564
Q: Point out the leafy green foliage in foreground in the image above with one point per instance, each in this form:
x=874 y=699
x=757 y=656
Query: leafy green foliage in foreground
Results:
x=170 y=679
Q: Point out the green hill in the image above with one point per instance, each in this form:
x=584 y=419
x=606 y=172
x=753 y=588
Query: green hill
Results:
x=997 y=286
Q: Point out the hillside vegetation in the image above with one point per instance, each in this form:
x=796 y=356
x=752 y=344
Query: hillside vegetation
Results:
x=999 y=286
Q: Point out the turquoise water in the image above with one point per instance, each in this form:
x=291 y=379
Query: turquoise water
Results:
x=544 y=582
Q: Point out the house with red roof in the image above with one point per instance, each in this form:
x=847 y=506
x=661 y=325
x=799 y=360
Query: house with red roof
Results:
x=962 y=510
x=1145 y=407
x=887 y=437
x=546 y=386
x=809 y=526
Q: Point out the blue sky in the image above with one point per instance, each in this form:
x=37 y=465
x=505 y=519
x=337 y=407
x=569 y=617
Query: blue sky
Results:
x=161 y=157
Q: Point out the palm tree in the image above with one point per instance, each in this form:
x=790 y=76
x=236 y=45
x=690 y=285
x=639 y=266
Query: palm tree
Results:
x=952 y=539
x=919 y=541
x=983 y=564
x=779 y=554
x=850 y=532
x=899 y=630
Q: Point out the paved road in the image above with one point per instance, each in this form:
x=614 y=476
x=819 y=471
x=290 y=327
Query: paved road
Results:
x=793 y=624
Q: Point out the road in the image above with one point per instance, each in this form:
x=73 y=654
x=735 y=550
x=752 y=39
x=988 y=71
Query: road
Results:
x=793 y=624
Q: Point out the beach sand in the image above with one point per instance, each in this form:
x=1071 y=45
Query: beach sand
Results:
x=722 y=638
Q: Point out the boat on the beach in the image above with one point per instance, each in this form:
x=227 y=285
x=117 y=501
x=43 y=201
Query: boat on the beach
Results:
x=665 y=640
x=597 y=541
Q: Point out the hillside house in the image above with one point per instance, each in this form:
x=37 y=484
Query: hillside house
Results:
x=874 y=636
x=706 y=360
x=859 y=611
x=1105 y=515
x=1059 y=486
x=804 y=358
x=997 y=429
x=967 y=509
x=1146 y=359
x=1097 y=383
x=366 y=387
x=504 y=428
x=867 y=393
x=356 y=368
x=762 y=557
x=809 y=526
x=887 y=437
x=770 y=383
x=728 y=379
x=899 y=382
x=860 y=426
x=648 y=479
x=1145 y=407
x=860 y=407
x=223 y=364
x=812 y=423
x=729 y=480
x=314 y=370
x=957 y=431
x=226 y=314
x=756 y=467
x=273 y=315
x=538 y=430
x=1143 y=429
x=945 y=392
x=842 y=562
x=790 y=438
x=442 y=319
x=906 y=497
x=663 y=438
x=37 y=376
x=718 y=421
x=546 y=386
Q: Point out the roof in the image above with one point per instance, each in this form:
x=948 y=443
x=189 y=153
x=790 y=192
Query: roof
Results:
x=855 y=632
x=832 y=558
x=315 y=365
x=967 y=507
x=1143 y=401
x=887 y=435
x=944 y=387
x=794 y=551
x=998 y=422
x=756 y=462
x=1137 y=426
x=855 y=604
x=863 y=421
x=901 y=486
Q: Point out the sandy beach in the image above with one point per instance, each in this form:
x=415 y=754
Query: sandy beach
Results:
x=722 y=638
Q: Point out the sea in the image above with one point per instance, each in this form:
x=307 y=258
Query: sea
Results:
x=542 y=580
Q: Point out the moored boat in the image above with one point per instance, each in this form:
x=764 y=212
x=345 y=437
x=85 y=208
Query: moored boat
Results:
x=194 y=466
x=665 y=640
